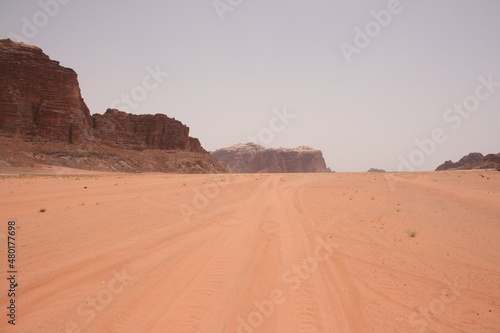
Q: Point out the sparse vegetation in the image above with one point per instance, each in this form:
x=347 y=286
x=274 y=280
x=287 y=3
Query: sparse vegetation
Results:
x=42 y=210
x=412 y=233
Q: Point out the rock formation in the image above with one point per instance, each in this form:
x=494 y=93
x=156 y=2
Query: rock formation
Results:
x=40 y=101
x=39 y=98
x=252 y=158
x=375 y=170
x=124 y=130
x=472 y=161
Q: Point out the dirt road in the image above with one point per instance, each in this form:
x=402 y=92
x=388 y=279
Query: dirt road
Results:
x=253 y=252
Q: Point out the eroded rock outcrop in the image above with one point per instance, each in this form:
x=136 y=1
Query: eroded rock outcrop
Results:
x=125 y=130
x=39 y=99
x=472 y=161
x=40 y=102
x=375 y=170
x=252 y=158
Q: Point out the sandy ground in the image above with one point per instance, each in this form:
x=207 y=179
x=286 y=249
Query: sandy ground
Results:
x=253 y=253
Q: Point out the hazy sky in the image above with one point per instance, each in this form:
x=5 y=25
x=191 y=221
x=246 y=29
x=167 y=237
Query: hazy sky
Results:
x=360 y=80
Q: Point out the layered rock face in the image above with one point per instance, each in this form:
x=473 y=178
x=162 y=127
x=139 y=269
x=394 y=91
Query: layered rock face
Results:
x=238 y=157
x=40 y=102
x=252 y=158
x=39 y=98
x=124 y=130
x=472 y=161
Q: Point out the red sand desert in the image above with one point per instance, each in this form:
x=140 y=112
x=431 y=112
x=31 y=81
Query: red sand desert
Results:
x=253 y=252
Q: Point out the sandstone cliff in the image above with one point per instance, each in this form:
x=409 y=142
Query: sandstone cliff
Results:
x=473 y=161
x=40 y=101
x=252 y=158
x=125 y=130
x=39 y=98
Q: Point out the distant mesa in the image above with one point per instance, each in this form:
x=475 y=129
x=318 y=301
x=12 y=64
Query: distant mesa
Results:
x=472 y=161
x=40 y=102
x=375 y=170
x=255 y=158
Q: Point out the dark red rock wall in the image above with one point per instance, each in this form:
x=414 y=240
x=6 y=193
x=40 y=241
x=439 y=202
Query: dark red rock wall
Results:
x=125 y=130
x=39 y=98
